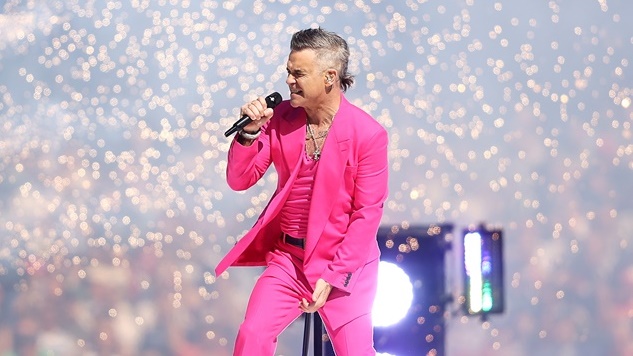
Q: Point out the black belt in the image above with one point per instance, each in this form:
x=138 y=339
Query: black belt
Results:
x=293 y=241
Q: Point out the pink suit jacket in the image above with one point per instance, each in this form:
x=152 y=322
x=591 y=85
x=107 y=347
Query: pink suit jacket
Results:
x=350 y=188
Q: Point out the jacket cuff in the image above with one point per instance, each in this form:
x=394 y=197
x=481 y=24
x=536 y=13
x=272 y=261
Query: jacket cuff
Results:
x=342 y=281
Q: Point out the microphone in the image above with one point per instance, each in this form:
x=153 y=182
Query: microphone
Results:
x=271 y=101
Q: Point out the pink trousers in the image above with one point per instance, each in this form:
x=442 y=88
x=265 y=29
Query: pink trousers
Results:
x=274 y=305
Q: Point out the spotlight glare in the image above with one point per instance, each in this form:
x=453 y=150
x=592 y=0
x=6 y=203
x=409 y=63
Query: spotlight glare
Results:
x=394 y=296
x=472 y=259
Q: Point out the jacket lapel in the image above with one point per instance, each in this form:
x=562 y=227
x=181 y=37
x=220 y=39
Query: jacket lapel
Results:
x=328 y=180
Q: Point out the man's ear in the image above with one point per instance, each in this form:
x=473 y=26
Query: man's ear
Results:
x=330 y=76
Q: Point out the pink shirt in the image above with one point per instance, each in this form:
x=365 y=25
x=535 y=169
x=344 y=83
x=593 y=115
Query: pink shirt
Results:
x=294 y=214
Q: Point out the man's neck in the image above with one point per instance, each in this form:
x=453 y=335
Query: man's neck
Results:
x=324 y=114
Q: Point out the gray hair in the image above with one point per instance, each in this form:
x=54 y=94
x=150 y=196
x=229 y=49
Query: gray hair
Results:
x=330 y=48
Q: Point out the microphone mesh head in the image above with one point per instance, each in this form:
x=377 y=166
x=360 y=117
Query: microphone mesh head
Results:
x=273 y=99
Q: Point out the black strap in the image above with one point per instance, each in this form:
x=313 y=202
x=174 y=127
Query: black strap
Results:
x=294 y=241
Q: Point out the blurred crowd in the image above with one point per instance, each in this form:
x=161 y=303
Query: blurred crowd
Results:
x=147 y=306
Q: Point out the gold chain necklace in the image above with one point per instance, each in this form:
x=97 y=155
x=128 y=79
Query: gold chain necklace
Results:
x=320 y=135
x=317 y=149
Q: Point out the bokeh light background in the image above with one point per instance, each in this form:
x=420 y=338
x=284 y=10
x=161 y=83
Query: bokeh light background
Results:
x=114 y=207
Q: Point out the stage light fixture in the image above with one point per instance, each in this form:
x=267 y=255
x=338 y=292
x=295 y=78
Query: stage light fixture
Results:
x=483 y=270
x=411 y=290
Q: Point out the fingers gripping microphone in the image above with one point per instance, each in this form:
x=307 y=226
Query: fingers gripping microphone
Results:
x=271 y=101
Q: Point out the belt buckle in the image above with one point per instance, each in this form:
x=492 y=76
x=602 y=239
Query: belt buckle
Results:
x=296 y=242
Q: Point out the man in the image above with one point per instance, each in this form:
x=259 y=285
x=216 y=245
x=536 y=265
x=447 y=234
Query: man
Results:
x=317 y=235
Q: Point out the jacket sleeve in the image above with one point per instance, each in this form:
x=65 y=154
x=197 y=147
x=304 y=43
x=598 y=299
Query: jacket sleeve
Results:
x=370 y=193
x=247 y=164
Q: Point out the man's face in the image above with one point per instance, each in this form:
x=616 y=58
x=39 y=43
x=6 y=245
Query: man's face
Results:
x=306 y=79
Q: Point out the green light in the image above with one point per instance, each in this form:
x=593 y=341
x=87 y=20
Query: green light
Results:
x=486 y=293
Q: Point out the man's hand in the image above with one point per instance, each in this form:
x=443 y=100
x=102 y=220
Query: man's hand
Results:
x=258 y=111
x=321 y=292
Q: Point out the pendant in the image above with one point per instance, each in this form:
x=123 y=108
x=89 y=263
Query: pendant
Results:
x=316 y=155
